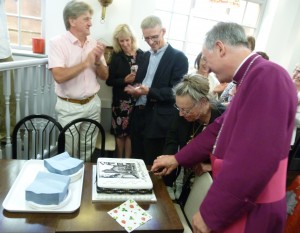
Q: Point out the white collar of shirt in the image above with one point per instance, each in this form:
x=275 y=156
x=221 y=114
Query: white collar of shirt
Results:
x=243 y=63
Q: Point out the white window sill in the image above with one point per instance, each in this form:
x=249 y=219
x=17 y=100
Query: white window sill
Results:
x=27 y=53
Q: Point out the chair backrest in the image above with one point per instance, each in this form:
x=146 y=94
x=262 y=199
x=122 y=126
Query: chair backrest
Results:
x=198 y=192
x=82 y=130
x=35 y=137
x=294 y=154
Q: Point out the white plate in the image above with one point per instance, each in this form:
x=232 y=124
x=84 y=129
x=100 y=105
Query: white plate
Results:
x=50 y=207
x=15 y=199
x=74 y=177
x=77 y=175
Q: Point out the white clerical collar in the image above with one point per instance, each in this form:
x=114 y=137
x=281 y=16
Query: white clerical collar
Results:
x=246 y=58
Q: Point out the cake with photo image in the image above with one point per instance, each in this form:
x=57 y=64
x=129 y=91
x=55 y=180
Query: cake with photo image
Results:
x=123 y=176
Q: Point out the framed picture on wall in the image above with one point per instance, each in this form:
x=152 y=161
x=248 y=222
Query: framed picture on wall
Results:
x=108 y=53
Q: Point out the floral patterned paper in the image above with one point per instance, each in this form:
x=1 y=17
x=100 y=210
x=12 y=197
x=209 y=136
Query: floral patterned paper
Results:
x=129 y=215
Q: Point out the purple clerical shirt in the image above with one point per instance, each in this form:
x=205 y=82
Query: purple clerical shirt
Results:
x=255 y=134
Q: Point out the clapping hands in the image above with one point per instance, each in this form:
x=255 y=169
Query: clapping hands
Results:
x=95 y=55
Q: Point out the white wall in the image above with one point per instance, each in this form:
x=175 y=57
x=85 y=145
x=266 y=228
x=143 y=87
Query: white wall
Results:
x=280 y=33
x=54 y=23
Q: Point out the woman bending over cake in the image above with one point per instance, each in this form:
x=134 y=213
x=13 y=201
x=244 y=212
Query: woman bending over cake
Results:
x=197 y=108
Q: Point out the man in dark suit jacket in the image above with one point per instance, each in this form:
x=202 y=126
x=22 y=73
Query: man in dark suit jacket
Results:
x=162 y=68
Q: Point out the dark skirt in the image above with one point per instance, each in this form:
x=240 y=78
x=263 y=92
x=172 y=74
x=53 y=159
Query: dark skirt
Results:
x=121 y=113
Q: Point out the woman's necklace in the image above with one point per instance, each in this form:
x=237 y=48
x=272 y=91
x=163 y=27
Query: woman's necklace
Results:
x=194 y=131
x=202 y=121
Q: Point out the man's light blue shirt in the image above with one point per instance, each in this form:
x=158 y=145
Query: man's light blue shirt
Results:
x=154 y=61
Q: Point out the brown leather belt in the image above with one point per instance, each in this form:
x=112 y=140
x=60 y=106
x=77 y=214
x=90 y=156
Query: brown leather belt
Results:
x=75 y=101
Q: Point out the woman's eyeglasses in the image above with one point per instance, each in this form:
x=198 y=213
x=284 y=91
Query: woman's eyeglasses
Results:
x=185 y=111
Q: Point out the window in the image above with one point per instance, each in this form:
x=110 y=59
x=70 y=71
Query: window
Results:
x=24 y=21
x=187 y=21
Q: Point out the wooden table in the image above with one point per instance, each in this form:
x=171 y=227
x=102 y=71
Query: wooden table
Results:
x=90 y=217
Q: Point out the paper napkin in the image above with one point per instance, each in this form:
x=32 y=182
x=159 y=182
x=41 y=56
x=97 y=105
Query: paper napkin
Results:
x=63 y=164
x=129 y=215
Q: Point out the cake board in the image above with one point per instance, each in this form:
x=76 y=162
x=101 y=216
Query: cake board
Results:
x=102 y=197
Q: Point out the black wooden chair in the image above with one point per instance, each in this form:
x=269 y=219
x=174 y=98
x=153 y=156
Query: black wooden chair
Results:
x=35 y=137
x=82 y=130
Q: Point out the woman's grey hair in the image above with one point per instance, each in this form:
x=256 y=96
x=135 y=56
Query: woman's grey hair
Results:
x=194 y=85
x=151 y=22
x=229 y=33
x=73 y=10
x=123 y=30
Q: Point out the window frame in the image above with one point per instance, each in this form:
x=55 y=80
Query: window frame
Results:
x=20 y=45
x=186 y=40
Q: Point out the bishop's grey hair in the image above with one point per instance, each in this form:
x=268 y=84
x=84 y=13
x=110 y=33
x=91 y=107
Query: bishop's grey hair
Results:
x=229 y=33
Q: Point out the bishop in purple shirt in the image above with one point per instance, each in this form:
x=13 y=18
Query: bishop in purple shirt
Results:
x=248 y=145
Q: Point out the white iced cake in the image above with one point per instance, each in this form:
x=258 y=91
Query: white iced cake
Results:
x=63 y=164
x=47 y=189
x=123 y=176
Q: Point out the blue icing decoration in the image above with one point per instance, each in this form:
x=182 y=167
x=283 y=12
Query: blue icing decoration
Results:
x=47 y=189
x=63 y=164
